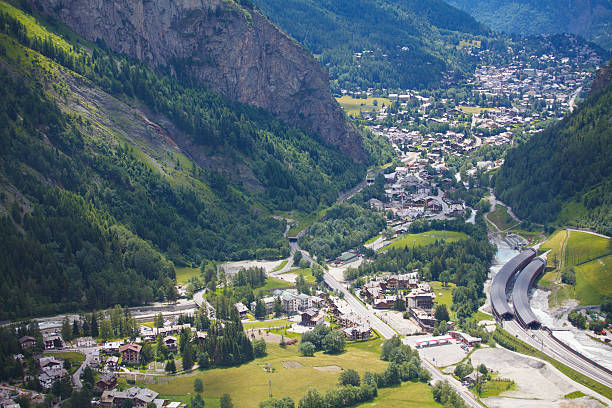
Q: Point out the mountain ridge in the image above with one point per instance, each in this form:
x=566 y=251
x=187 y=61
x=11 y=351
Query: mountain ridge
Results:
x=222 y=45
x=562 y=176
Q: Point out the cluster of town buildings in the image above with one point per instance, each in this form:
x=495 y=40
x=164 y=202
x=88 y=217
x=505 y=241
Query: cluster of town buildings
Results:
x=385 y=291
x=409 y=195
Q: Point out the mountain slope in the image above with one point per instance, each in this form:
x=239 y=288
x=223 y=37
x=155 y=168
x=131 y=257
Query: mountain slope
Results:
x=564 y=174
x=411 y=42
x=109 y=170
x=223 y=45
x=591 y=19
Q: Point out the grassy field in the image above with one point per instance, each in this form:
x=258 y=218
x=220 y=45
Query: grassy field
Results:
x=425 y=238
x=582 y=247
x=593 y=281
x=281 y=266
x=273 y=283
x=306 y=273
x=473 y=109
x=267 y=324
x=353 y=106
x=501 y=218
x=446 y=298
x=292 y=382
x=493 y=388
x=574 y=395
x=184 y=273
x=67 y=355
x=374 y=238
x=303 y=220
x=555 y=244
x=593 y=278
x=408 y=395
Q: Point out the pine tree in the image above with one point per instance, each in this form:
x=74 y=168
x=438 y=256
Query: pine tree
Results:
x=187 y=356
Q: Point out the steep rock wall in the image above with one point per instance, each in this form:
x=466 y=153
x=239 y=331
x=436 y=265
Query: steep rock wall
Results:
x=226 y=47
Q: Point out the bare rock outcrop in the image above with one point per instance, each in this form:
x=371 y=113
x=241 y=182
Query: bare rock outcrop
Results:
x=230 y=48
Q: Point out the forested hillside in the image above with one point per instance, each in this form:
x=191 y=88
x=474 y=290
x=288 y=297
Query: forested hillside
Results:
x=400 y=43
x=110 y=170
x=564 y=174
x=591 y=19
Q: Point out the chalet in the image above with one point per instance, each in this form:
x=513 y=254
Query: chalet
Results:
x=311 y=317
x=107 y=382
x=399 y=281
x=170 y=343
x=357 y=333
x=242 y=309
x=200 y=336
x=53 y=341
x=27 y=342
x=472 y=378
x=112 y=363
x=130 y=353
x=51 y=370
x=376 y=204
x=95 y=358
x=386 y=302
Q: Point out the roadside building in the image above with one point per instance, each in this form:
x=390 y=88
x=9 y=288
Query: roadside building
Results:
x=357 y=333
x=312 y=317
x=465 y=338
x=130 y=353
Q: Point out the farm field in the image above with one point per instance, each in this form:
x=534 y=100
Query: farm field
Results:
x=593 y=281
x=583 y=246
x=353 y=106
x=425 y=238
x=575 y=249
x=291 y=382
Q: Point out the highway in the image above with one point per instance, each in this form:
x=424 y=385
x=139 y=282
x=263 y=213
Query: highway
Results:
x=540 y=340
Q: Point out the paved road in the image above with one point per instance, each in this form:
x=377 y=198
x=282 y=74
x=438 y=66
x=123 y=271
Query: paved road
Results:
x=387 y=332
x=542 y=341
x=199 y=300
x=76 y=377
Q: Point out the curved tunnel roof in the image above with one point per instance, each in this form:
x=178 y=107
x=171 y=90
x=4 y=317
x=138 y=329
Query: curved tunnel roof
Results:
x=499 y=286
x=520 y=293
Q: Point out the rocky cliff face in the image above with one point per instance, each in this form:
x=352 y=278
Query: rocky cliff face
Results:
x=228 y=48
x=603 y=78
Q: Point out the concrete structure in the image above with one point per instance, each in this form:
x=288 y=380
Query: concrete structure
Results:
x=520 y=293
x=432 y=341
x=501 y=283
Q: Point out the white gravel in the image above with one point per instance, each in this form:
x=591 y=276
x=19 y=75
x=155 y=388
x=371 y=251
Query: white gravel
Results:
x=538 y=384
